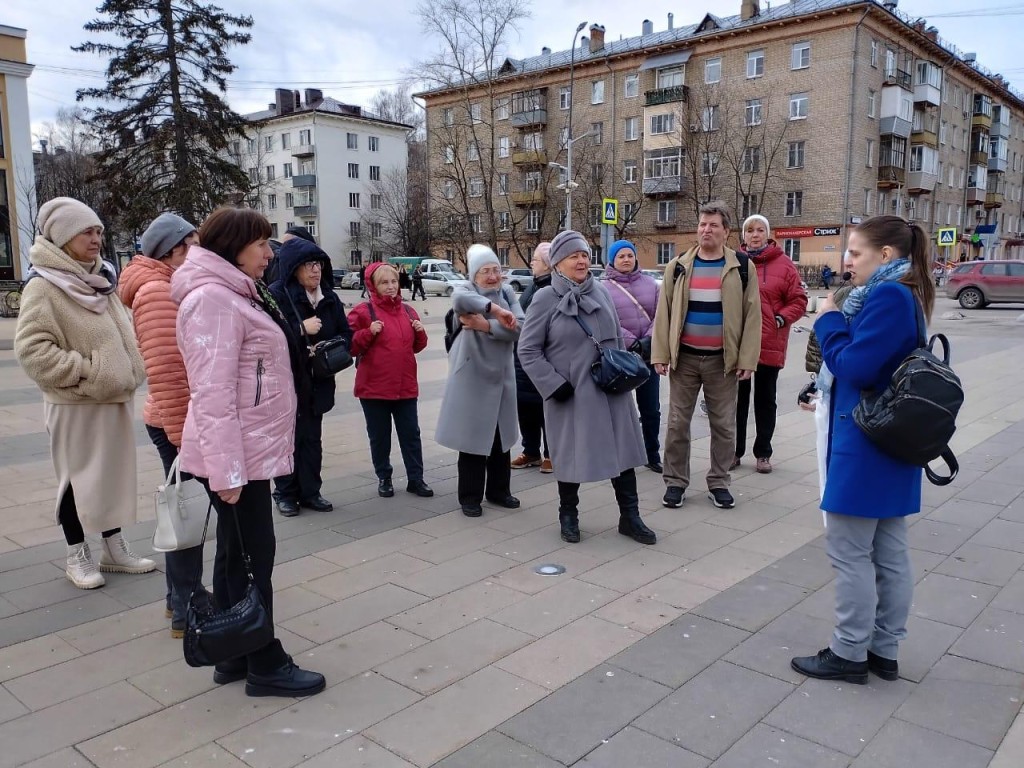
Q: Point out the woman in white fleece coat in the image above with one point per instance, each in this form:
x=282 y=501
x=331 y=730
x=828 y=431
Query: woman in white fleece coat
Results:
x=75 y=340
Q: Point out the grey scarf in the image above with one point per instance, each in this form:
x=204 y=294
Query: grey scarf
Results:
x=574 y=297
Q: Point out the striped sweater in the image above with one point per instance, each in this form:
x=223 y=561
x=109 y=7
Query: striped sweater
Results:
x=702 y=329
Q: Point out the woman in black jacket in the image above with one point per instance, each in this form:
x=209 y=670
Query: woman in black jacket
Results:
x=305 y=295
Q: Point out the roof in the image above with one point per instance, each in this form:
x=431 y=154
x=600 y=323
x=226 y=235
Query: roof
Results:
x=329 y=106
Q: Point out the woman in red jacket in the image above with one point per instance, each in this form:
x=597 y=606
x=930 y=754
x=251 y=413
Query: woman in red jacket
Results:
x=386 y=335
x=783 y=302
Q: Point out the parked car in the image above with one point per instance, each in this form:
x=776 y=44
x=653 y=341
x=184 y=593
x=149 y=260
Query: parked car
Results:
x=339 y=275
x=657 y=274
x=443 y=283
x=979 y=283
x=351 y=280
x=597 y=272
x=518 y=279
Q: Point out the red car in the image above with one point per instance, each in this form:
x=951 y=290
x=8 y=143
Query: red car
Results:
x=979 y=283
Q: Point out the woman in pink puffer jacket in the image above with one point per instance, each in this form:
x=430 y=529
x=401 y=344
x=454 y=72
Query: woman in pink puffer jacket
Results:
x=239 y=432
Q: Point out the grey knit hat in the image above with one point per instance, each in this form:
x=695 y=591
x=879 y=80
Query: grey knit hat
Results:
x=479 y=256
x=166 y=231
x=566 y=243
x=62 y=218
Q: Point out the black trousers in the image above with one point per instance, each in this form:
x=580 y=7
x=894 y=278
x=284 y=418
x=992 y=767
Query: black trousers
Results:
x=256 y=521
x=305 y=481
x=765 y=384
x=625 y=495
x=417 y=287
x=67 y=517
x=489 y=476
x=380 y=414
x=531 y=426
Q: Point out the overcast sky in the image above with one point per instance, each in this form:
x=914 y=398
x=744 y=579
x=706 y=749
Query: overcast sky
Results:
x=351 y=49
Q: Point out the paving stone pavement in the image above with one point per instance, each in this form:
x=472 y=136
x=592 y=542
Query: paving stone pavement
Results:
x=442 y=646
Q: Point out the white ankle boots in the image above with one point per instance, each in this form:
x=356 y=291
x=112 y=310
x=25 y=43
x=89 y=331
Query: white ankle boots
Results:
x=116 y=557
x=81 y=570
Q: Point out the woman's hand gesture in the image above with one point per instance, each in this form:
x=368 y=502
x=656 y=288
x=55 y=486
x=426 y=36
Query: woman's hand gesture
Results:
x=475 y=323
x=505 y=317
x=312 y=325
x=417 y=326
x=376 y=327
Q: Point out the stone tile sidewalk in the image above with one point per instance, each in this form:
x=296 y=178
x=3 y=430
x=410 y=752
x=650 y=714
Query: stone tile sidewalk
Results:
x=443 y=647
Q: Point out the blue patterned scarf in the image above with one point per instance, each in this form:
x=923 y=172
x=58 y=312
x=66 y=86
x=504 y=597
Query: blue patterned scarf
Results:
x=891 y=272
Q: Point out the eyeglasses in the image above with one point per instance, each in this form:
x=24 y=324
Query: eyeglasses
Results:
x=313 y=265
x=489 y=271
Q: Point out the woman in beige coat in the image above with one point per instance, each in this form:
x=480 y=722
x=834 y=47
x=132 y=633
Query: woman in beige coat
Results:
x=75 y=340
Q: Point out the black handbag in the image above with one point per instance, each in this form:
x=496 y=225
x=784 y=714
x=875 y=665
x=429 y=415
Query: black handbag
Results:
x=616 y=371
x=214 y=636
x=327 y=357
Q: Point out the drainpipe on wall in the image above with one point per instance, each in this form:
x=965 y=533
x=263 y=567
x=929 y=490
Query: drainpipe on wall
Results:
x=849 y=144
x=614 y=145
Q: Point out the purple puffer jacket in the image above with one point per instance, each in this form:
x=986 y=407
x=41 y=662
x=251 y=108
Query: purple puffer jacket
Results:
x=241 y=417
x=635 y=324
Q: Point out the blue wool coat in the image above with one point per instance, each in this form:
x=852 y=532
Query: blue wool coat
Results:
x=861 y=480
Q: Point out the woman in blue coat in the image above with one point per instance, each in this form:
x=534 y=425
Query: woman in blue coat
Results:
x=868 y=494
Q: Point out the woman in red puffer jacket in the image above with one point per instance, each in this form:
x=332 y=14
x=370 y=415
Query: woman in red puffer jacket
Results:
x=783 y=302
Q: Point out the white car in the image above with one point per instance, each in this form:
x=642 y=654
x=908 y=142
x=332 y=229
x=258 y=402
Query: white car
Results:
x=657 y=274
x=443 y=283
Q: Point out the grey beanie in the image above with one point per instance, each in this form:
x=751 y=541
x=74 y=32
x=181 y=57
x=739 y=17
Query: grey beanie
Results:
x=166 y=231
x=566 y=243
x=63 y=218
x=479 y=256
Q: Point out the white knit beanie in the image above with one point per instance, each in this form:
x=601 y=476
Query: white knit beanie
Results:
x=760 y=218
x=479 y=256
x=62 y=218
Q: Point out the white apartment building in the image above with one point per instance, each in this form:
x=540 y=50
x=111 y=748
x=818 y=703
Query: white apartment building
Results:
x=317 y=164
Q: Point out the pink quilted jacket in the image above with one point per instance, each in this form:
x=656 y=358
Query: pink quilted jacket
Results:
x=241 y=416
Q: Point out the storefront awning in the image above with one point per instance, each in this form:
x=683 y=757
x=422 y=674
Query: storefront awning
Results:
x=666 y=60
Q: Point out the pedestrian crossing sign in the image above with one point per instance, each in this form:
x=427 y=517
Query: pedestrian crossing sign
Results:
x=947 y=236
x=611 y=211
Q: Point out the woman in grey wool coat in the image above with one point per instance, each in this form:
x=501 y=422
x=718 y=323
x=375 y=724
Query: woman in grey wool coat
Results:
x=478 y=412
x=594 y=435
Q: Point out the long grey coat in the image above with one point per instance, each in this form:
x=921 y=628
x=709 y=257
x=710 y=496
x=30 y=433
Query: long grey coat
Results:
x=480 y=394
x=592 y=436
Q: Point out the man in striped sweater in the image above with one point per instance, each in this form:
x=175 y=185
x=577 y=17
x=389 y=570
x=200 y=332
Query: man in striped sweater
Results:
x=707 y=333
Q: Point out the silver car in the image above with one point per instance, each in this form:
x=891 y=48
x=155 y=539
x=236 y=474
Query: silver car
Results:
x=443 y=283
x=518 y=279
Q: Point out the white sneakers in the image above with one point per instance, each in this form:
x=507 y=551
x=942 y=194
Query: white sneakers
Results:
x=81 y=570
x=118 y=558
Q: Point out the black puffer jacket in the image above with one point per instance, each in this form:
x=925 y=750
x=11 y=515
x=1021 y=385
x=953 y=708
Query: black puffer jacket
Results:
x=525 y=390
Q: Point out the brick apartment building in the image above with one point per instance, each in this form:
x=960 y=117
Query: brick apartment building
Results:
x=815 y=113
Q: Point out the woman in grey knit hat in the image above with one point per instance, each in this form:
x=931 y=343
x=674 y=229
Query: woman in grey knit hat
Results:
x=594 y=436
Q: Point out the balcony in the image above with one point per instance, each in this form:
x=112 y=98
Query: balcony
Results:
x=890 y=176
x=900 y=78
x=979 y=157
x=532 y=118
x=305 y=150
x=981 y=122
x=921 y=183
x=926 y=136
x=997 y=165
x=527 y=199
x=667 y=95
x=663 y=185
x=305 y=211
x=1001 y=122
x=976 y=195
x=925 y=93
x=895 y=126
x=530 y=157
x=304 y=180
x=994 y=199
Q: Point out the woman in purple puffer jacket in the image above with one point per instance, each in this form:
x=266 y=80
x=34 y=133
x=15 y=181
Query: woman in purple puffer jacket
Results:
x=635 y=296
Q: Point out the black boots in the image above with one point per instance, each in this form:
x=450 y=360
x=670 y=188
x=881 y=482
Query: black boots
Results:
x=568 y=512
x=630 y=523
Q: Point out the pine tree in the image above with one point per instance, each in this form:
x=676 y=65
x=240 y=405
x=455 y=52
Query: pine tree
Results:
x=167 y=129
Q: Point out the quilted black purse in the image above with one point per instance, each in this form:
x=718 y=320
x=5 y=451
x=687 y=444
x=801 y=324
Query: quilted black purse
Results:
x=326 y=357
x=213 y=636
x=616 y=371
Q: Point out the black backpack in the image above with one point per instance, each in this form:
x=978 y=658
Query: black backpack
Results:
x=914 y=418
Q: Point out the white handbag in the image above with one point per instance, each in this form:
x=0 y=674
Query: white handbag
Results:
x=181 y=508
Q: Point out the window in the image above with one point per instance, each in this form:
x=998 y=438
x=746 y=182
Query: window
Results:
x=666 y=252
x=869 y=200
x=503 y=221
x=564 y=97
x=869 y=154
x=268 y=143
x=354 y=228
x=892 y=152
x=376 y=229
x=475 y=113
x=271 y=202
x=800 y=56
x=305 y=137
x=504 y=145
x=666 y=211
x=353 y=170
x=532 y=181
x=286 y=171
x=632 y=88
x=713 y=71
x=376 y=202
x=502 y=183
x=748 y=206
x=476 y=187
x=534 y=141
x=597 y=173
x=447 y=189
x=752 y=114
x=273 y=230
x=270 y=173
x=355 y=258
x=374 y=173
x=374 y=143
x=709 y=163
x=449 y=155
x=944 y=133
x=288 y=225
x=563 y=137
x=874 y=53
x=662 y=163
x=236 y=148
x=794 y=203
x=751 y=159
x=254 y=175
x=795 y=156
x=286 y=141
x=289 y=200
x=597 y=132
x=476 y=223
x=632 y=128
x=597 y=92
x=473 y=151
x=250 y=145
x=872 y=103
x=669 y=77
x=533 y=220
x=629 y=171
x=351 y=140
x=755 y=63
x=799 y=105
x=629 y=214
x=709 y=118
x=448 y=116
x=353 y=199
x=594 y=213
x=502 y=108
x=792 y=249
x=663 y=123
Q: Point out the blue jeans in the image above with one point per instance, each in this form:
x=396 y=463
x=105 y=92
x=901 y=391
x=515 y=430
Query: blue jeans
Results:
x=648 y=402
x=182 y=566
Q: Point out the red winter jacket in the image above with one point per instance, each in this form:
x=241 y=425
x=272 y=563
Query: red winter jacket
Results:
x=782 y=295
x=387 y=361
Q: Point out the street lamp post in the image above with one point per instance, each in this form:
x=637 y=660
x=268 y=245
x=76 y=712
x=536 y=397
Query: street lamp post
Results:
x=569 y=138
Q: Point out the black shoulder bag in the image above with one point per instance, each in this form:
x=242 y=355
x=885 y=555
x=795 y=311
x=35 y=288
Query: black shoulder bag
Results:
x=616 y=371
x=327 y=357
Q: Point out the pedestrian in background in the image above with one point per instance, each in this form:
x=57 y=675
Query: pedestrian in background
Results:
x=635 y=296
x=75 y=340
x=387 y=335
x=478 y=411
x=783 y=303
x=529 y=403
x=404 y=281
x=145 y=288
x=868 y=494
x=417 y=283
x=595 y=436
x=240 y=428
x=305 y=294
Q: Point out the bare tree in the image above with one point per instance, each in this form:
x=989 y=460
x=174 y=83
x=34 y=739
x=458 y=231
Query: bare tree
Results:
x=397 y=106
x=250 y=155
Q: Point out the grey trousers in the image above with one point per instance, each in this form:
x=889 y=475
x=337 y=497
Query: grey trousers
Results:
x=874 y=585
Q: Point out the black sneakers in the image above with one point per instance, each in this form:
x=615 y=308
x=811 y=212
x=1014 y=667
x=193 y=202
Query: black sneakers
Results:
x=721 y=498
x=673 y=496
